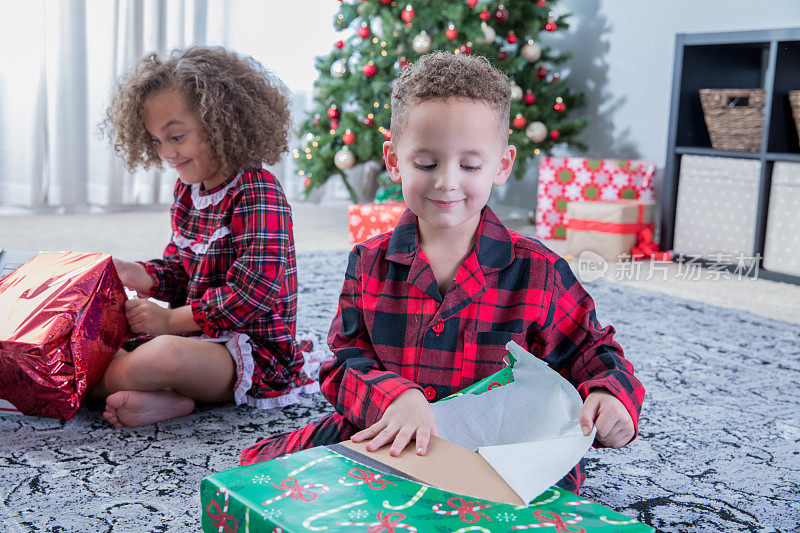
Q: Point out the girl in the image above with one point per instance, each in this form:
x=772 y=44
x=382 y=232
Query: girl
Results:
x=229 y=270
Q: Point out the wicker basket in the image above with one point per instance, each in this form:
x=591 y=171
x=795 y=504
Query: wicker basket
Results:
x=735 y=118
x=794 y=103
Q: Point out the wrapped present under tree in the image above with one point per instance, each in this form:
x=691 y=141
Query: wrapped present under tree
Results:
x=365 y=221
x=573 y=179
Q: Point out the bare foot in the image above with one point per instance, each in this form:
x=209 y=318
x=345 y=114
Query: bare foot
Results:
x=138 y=408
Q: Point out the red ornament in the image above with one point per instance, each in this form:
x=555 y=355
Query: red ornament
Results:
x=451 y=32
x=511 y=37
x=550 y=26
x=387 y=134
x=519 y=121
x=559 y=107
x=387 y=1
x=316 y=120
x=403 y=62
x=502 y=54
x=349 y=137
x=306 y=182
x=465 y=49
x=339 y=44
x=485 y=15
x=333 y=112
x=501 y=15
x=408 y=14
x=554 y=134
x=334 y=124
x=472 y=3
x=368 y=122
x=529 y=98
x=541 y=3
x=369 y=70
x=541 y=73
x=363 y=31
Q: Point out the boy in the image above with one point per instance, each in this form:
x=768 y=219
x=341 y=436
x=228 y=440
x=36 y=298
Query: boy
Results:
x=427 y=309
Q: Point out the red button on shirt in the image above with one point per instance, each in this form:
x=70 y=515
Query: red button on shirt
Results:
x=438 y=328
x=430 y=394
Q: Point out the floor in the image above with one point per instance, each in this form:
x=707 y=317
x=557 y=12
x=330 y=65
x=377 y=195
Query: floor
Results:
x=142 y=233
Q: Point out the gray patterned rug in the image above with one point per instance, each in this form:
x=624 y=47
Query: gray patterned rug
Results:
x=719 y=448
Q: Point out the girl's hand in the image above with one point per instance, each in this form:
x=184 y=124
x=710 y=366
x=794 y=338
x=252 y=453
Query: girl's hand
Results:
x=614 y=424
x=408 y=416
x=146 y=317
x=134 y=276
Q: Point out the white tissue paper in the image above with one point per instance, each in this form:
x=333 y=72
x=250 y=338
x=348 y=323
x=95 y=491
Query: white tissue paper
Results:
x=528 y=430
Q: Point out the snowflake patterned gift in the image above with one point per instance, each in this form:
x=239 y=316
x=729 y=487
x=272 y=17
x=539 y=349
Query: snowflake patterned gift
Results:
x=324 y=489
x=563 y=180
x=368 y=220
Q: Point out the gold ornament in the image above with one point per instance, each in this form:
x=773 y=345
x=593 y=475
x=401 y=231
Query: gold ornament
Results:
x=344 y=159
x=422 y=43
x=531 y=52
x=536 y=131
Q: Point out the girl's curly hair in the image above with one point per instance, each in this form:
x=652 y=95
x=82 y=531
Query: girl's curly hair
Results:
x=243 y=107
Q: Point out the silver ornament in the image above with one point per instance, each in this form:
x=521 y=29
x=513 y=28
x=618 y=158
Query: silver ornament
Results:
x=339 y=68
x=536 y=132
x=344 y=159
x=516 y=92
x=422 y=43
x=531 y=52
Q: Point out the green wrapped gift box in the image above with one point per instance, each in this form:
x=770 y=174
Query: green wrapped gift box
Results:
x=326 y=489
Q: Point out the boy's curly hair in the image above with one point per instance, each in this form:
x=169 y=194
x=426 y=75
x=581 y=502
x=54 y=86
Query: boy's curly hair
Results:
x=442 y=76
x=243 y=107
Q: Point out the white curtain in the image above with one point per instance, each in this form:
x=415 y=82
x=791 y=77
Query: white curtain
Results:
x=58 y=67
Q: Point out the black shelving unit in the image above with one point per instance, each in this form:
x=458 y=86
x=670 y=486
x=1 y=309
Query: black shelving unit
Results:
x=768 y=60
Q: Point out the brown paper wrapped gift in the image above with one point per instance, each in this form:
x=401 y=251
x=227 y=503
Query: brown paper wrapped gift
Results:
x=607 y=228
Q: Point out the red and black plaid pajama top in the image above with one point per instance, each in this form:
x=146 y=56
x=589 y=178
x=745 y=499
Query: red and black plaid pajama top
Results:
x=393 y=331
x=231 y=257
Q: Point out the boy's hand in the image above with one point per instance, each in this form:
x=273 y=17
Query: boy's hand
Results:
x=613 y=422
x=146 y=317
x=408 y=416
x=134 y=276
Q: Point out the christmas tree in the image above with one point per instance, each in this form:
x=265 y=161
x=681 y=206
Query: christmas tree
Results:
x=351 y=114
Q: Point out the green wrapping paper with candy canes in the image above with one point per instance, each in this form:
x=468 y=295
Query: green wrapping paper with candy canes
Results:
x=325 y=489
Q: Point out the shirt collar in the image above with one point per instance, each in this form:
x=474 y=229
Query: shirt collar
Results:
x=494 y=246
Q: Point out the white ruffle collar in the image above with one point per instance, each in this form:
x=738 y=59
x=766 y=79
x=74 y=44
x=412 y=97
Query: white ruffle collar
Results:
x=204 y=201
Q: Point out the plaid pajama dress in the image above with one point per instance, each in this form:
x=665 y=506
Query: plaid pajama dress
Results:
x=231 y=258
x=393 y=331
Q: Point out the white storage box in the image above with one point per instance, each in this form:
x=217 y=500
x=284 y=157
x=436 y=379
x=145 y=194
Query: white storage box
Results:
x=782 y=244
x=717 y=203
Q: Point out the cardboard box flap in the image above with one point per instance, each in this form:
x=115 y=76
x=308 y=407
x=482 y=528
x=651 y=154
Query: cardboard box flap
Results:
x=446 y=466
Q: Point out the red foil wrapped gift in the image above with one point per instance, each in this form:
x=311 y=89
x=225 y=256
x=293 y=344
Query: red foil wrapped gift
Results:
x=61 y=322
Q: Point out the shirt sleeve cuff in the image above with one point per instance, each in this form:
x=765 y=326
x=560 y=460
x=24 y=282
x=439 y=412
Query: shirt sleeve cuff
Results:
x=199 y=317
x=153 y=271
x=585 y=388
x=383 y=395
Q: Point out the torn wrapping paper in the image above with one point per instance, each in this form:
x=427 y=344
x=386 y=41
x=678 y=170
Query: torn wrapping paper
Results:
x=61 y=321
x=527 y=430
x=332 y=489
